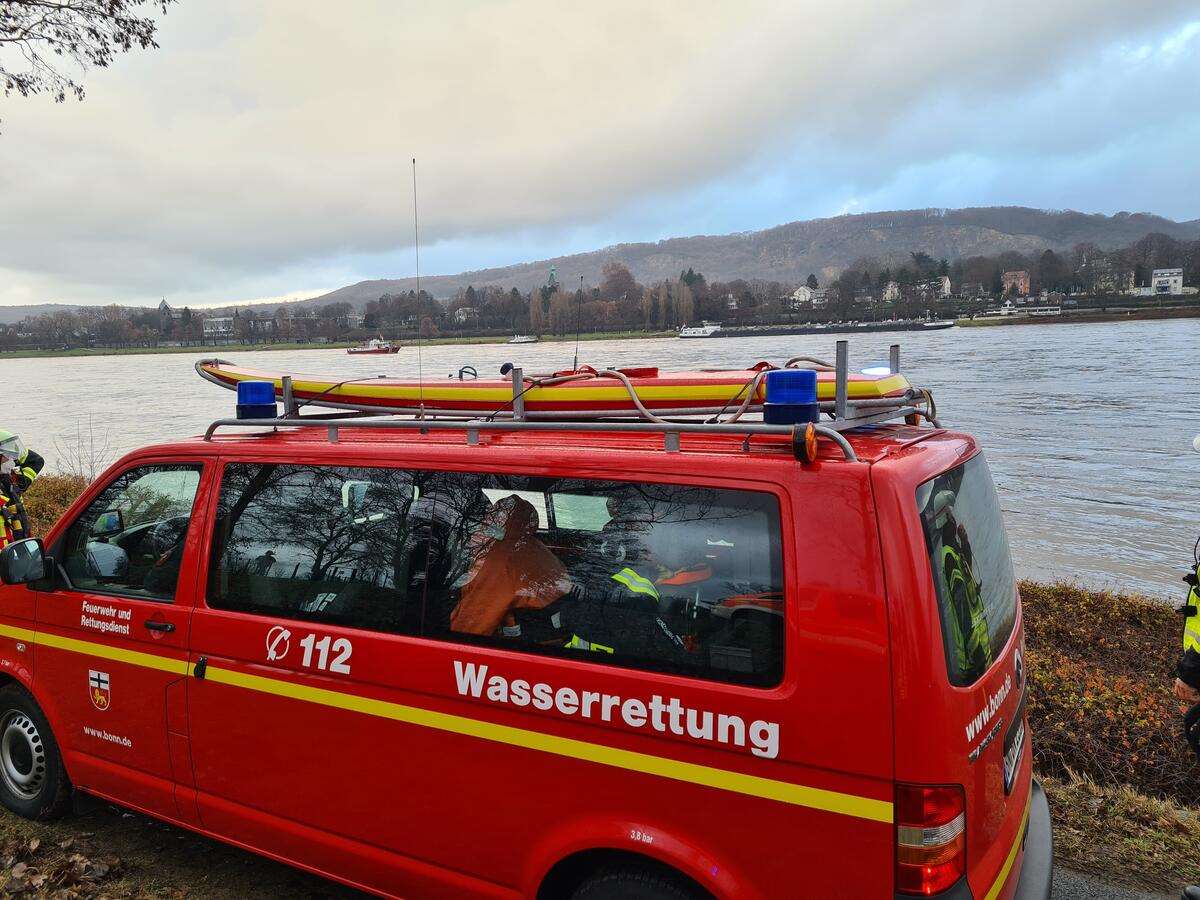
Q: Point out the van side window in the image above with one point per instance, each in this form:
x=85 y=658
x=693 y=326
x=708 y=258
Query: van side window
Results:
x=130 y=539
x=666 y=577
x=320 y=543
x=971 y=567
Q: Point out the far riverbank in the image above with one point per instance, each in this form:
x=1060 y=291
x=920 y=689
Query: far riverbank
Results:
x=1088 y=317
x=408 y=343
x=1068 y=317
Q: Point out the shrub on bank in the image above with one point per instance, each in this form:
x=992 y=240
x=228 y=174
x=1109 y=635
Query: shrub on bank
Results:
x=1101 y=666
x=49 y=497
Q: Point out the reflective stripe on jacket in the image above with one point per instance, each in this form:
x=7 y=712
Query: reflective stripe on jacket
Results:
x=636 y=582
x=578 y=643
x=28 y=466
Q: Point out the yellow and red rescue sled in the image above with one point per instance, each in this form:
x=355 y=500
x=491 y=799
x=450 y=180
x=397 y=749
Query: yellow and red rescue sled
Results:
x=583 y=391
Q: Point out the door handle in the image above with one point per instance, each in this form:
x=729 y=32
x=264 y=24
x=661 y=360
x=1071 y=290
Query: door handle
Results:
x=159 y=626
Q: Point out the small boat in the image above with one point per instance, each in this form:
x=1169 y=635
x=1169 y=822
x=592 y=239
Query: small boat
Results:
x=523 y=339
x=706 y=329
x=551 y=395
x=375 y=345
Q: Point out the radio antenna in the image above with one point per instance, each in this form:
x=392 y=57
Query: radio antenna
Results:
x=578 y=300
x=417 y=272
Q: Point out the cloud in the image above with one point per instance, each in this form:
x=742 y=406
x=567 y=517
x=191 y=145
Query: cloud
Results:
x=265 y=147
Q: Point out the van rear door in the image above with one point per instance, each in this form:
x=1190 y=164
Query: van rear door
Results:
x=961 y=737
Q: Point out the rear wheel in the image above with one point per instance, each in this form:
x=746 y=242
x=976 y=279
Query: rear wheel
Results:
x=33 y=782
x=635 y=883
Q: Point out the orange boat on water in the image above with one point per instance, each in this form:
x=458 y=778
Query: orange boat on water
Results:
x=374 y=346
x=584 y=391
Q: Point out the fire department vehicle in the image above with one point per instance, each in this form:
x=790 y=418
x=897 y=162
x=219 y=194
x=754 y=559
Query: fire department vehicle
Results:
x=615 y=634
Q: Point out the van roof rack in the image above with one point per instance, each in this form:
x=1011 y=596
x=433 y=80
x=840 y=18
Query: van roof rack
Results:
x=845 y=414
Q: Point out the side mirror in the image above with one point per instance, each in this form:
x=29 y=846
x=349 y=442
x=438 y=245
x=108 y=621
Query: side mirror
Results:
x=108 y=523
x=22 y=562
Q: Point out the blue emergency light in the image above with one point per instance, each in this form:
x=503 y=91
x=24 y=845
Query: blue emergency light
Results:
x=791 y=397
x=256 y=400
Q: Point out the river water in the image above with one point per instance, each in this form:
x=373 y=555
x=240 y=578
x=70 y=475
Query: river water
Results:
x=1088 y=428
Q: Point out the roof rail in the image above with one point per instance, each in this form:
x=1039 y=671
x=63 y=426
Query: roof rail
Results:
x=846 y=415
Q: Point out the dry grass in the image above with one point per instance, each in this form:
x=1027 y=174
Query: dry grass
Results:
x=1101 y=667
x=1126 y=837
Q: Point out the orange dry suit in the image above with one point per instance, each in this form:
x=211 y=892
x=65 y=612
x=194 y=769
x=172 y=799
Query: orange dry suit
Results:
x=515 y=581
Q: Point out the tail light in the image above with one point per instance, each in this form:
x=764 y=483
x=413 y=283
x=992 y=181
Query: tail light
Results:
x=931 y=843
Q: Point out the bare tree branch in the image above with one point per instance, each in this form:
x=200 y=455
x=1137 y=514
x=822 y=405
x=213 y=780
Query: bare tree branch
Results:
x=47 y=46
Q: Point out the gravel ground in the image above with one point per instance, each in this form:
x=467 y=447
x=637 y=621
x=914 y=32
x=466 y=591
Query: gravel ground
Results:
x=1070 y=885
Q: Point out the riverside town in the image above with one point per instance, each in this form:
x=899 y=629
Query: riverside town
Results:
x=1157 y=276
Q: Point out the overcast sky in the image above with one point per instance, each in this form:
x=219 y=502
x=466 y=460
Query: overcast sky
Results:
x=264 y=150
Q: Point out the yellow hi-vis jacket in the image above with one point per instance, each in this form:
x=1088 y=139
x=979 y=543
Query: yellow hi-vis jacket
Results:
x=634 y=583
x=1191 y=609
x=976 y=642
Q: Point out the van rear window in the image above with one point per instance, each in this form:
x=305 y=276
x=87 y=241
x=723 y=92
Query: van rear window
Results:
x=972 y=569
x=675 y=578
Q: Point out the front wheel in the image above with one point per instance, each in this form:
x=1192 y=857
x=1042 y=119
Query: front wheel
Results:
x=33 y=782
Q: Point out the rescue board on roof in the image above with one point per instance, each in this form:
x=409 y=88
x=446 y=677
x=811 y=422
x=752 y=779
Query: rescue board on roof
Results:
x=581 y=390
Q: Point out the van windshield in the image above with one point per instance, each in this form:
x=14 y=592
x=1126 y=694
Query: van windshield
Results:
x=972 y=570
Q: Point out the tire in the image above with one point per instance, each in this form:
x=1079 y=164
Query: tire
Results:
x=33 y=782
x=635 y=883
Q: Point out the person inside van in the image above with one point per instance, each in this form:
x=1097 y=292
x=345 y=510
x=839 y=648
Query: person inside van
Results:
x=619 y=608
x=515 y=582
x=433 y=551
x=966 y=625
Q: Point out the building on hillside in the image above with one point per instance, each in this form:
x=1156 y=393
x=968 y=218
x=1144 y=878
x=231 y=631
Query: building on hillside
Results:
x=1016 y=282
x=934 y=289
x=260 y=324
x=814 y=298
x=165 y=312
x=217 y=327
x=1167 y=282
x=349 y=321
x=891 y=293
x=466 y=314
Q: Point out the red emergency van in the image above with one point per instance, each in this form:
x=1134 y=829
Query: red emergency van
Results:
x=518 y=659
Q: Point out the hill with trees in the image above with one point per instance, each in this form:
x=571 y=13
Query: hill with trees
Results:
x=788 y=253
x=918 y=283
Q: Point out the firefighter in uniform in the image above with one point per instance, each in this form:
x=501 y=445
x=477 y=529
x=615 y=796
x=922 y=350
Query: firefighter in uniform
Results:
x=19 y=466
x=1187 y=673
x=968 y=616
x=622 y=610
